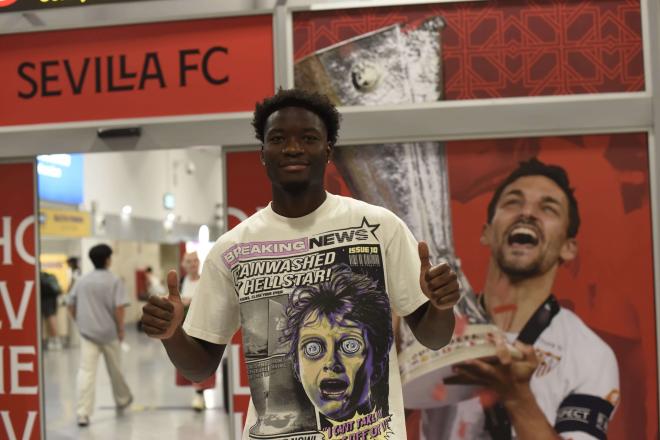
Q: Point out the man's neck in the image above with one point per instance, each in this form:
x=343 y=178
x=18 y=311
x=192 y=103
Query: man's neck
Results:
x=293 y=205
x=512 y=302
x=193 y=276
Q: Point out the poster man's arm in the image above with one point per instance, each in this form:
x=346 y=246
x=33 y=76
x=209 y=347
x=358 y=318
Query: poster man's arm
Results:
x=433 y=323
x=162 y=318
x=509 y=378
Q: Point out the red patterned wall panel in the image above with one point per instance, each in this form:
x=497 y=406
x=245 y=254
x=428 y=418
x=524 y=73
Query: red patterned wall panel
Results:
x=497 y=49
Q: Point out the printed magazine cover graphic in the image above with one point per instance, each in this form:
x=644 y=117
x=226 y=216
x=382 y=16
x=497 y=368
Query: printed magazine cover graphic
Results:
x=317 y=334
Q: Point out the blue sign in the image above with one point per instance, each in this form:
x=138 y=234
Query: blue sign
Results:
x=60 y=178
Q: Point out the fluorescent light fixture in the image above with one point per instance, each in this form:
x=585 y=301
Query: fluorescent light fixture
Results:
x=168 y=200
x=203 y=234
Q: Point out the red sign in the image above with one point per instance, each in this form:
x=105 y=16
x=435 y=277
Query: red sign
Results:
x=20 y=410
x=159 y=69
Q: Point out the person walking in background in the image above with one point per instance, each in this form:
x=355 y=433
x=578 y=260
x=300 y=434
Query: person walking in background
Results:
x=74 y=267
x=188 y=284
x=72 y=337
x=154 y=285
x=50 y=292
x=97 y=303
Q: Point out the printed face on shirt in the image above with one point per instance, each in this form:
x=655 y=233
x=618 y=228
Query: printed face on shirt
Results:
x=528 y=232
x=332 y=362
x=296 y=149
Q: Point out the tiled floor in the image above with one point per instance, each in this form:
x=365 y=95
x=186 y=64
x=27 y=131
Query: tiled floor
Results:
x=160 y=410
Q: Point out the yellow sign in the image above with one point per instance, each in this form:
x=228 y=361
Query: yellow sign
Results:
x=65 y=223
x=55 y=264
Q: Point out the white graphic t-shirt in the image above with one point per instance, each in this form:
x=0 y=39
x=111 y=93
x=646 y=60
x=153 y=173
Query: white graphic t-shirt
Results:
x=313 y=296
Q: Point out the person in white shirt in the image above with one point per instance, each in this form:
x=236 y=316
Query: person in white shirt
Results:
x=303 y=238
x=189 y=282
x=566 y=384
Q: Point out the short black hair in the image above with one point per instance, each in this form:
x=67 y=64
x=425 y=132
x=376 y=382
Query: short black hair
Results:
x=99 y=255
x=314 y=102
x=557 y=174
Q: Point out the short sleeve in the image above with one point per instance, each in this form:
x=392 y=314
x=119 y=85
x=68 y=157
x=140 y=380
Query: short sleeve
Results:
x=119 y=293
x=586 y=412
x=72 y=296
x=402 y=267
x=214 y=311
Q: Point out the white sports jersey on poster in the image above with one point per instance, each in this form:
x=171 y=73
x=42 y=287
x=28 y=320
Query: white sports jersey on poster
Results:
x=576 y=386
x=313 y=297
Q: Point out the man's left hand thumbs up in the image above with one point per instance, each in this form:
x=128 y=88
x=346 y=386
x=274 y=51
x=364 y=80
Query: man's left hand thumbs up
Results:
x=439 y=283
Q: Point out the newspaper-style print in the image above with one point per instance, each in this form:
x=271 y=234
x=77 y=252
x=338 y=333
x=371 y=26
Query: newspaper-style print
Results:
x=317 y=334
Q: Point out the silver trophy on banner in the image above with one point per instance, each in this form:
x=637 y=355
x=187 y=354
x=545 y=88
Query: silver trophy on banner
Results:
x=396 y=66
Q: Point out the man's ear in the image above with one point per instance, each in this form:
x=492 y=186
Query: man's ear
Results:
x=568 y=250
x=485 y=238
x=330 y=150
x=261 y=155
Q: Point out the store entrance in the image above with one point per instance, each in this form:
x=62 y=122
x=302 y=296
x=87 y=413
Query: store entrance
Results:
x=154 y=209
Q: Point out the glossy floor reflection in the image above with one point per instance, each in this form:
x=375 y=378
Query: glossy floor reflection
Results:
x=160 y=409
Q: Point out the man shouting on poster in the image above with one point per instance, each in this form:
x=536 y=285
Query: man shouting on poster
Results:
x=565 y=383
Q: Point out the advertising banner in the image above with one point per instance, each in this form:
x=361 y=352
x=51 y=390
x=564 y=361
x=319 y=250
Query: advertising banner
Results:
x=159 y=69
x=489 y=50
x=608 y=286
x=20 y=408
x=499 y=49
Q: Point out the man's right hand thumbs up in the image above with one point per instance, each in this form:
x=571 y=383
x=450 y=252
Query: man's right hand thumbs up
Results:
x=161 y=316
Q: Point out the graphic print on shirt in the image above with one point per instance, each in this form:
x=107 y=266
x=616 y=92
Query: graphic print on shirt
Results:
x=317 y=333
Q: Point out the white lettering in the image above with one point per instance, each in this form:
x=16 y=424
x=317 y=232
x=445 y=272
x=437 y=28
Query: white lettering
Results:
x=2 y=370
x=9 y=427
x=16 y=319
x=20 y=244
x=5 y=241
x=15 y=367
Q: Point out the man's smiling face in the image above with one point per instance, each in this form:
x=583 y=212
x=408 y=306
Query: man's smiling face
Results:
x=528 y=232
x=296 y=149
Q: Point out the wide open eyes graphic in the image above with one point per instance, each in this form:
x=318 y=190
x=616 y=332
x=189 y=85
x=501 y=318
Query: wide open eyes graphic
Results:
x=350 y=346
x=314 y=349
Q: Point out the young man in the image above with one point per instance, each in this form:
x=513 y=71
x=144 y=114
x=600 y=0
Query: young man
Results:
x=301 y=239
x=97 y=303
x=566 y=385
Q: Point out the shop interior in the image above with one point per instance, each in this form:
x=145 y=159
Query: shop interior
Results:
x=151 y=208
